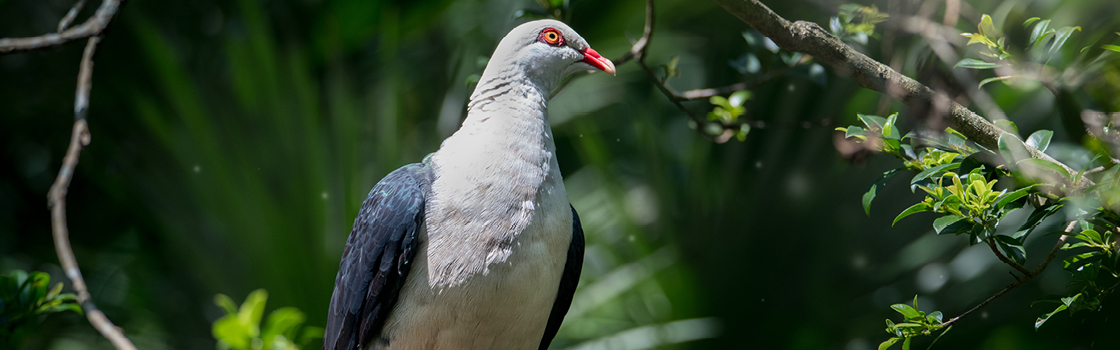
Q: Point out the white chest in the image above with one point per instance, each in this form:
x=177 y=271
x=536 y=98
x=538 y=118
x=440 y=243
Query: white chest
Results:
x=486 y=277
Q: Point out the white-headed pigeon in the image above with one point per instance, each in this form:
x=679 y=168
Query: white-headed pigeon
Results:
x=476 y=247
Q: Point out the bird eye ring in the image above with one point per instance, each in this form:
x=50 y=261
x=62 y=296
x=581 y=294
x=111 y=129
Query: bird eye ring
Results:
x=551 y=36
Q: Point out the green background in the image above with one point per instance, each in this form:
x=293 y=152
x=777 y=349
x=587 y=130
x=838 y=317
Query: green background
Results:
x=233 y=143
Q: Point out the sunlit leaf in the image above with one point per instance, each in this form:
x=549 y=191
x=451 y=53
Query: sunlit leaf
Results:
x=1039 y=28
x=1040 y=140
x=1007 y=198
x=736 y=99
x=941 y=223
x=986 y=27
x=887 y=343
x=881 y=181
x=1111 y=48
x=1046 y=317
x=1007 y=125
x=913 y=209
x=976 y=64
x=1046 y=164
x=1061 y=36
x=872 y=122
x=1029 y=21
x=994 y=79
x=933 y=171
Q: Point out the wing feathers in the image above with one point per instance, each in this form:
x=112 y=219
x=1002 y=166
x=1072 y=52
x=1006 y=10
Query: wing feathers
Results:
x=377 y=258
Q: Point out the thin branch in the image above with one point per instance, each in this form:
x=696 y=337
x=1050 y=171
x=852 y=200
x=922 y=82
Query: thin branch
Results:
x=1027 y=275
x=696 y=94
x=1057 y=247
x=79 y=138
x=70 y=15
x=810 y=38
x=638 y=50
x=91 y=27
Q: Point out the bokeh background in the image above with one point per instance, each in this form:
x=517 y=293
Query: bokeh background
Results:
x=233 y=142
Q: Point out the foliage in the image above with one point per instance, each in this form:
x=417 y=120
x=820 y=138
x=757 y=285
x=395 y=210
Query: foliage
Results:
x=240 y=329
x=24 y=297
x=915 y=323
x=962 y=182
x=1042 y=47
x=855 y=23
x=729 y=109
x=974 y=188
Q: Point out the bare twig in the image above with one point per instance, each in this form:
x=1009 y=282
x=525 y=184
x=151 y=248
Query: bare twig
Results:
x=91 y=27
x=638 y=50
x=709 y=92
x=1027 y=275
x=57 y=199
x=70 y=15
x=810 y=38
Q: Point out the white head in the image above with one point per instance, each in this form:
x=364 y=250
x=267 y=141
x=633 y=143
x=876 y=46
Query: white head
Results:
x=544 y=52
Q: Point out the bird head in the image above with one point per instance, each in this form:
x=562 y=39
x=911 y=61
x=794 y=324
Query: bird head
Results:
x=544 y=52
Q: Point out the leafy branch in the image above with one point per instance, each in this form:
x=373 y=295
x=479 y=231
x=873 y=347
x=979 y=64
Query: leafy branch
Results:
x=810 y=38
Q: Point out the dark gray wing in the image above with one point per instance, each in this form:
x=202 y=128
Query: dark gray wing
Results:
x=568 y=282
x=377 y=258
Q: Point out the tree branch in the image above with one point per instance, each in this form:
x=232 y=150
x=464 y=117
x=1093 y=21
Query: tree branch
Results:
x=91 y=27
x=56 y=198
x=1027 y=275
x=810 y=38
x=70 y=15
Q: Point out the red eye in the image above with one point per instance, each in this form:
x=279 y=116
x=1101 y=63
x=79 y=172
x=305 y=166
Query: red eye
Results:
x=551 y=36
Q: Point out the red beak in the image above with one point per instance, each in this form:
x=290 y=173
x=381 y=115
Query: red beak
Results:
x=595 y=60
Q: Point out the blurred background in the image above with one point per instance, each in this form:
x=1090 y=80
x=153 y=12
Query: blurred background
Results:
x=233 y=142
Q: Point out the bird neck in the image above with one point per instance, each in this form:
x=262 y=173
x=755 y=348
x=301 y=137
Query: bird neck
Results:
x=509 y=89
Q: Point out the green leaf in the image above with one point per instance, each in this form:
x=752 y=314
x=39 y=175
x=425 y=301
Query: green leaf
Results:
x=226 y=304
x=1012 y=248
x=867 y=198
x=739 y=97
x=890 y=131
x=1046 y=164
x=284 y=321
x=1010 y=147
x=1007 y=198
x=886 y=344
x=1039 y=28
x=1111 y=48
x=913 y=209
x=973 y=63
x=743 y=131
x=1007 y=125
x=936 y=316
x=854 y=131
x=881 y=181
x=941 y=223
x=986 y=27
x=1061 y=36
x=907 y=311
x=872 y=122
x=1034 y=219
x=994 y=79
x=720 y=101
x=252 y=310
x=1090 y=236
x=933 y=171
x=1046 y=317
x=1040 y=140
x=1029 y=21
